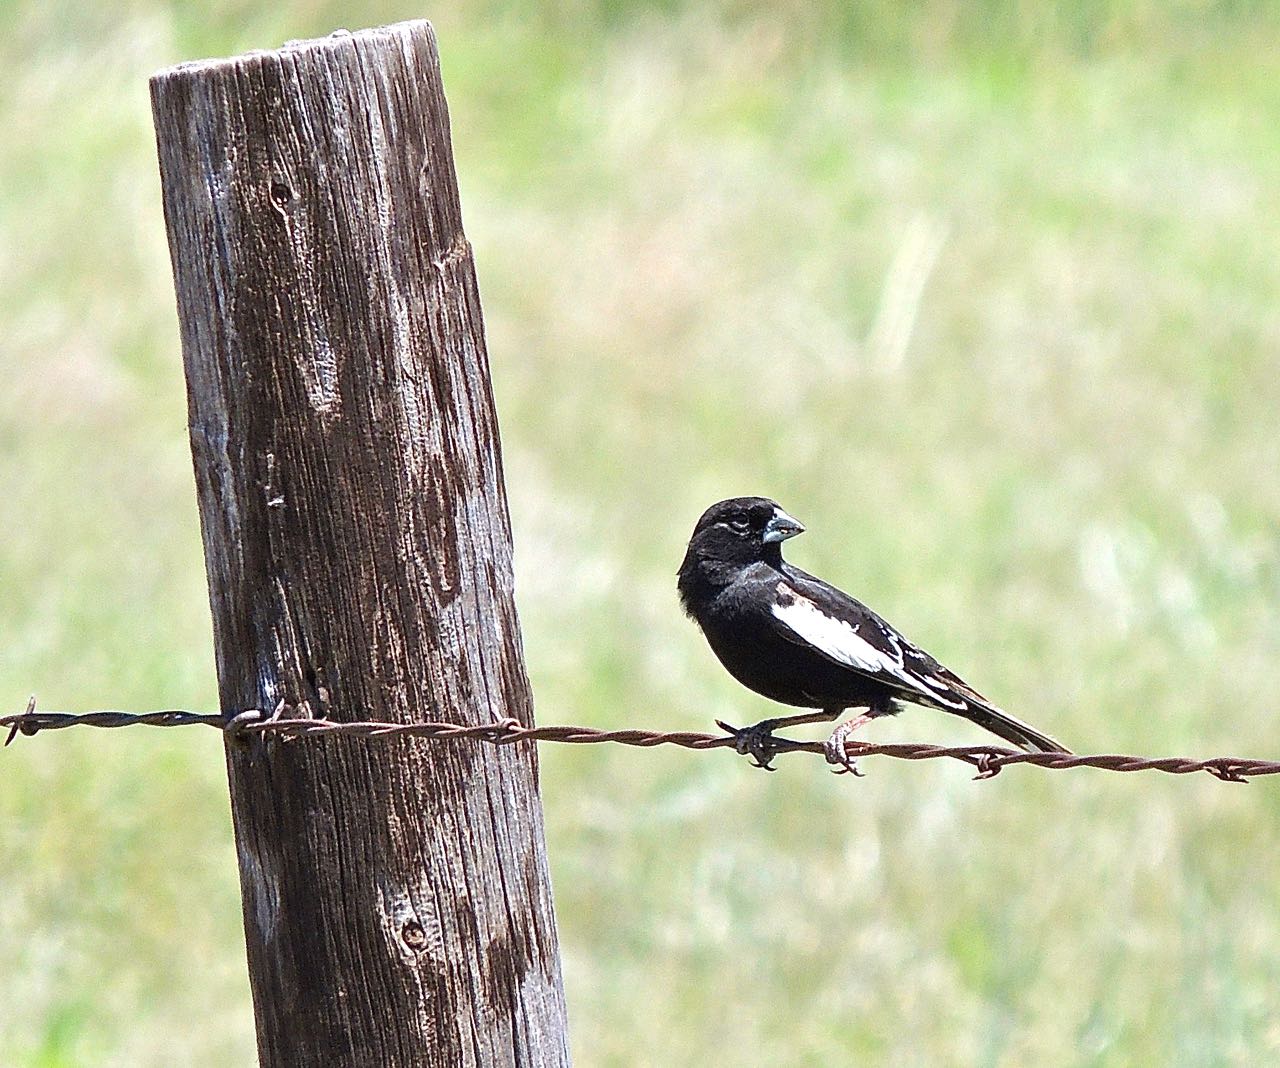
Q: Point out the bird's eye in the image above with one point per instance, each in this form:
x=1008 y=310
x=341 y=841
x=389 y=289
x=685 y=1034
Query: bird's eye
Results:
x=740 y=522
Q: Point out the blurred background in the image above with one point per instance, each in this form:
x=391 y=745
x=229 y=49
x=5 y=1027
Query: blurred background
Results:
x=984 y=293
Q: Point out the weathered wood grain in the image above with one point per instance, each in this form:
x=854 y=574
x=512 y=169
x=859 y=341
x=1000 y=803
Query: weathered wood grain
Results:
x=397 y=904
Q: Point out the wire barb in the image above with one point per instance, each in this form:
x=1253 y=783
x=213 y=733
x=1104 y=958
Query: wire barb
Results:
x=987 y=760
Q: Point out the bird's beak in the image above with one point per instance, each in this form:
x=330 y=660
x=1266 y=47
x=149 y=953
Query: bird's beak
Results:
x=781 y=527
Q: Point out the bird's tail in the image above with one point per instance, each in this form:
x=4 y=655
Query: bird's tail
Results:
x=1011 y=729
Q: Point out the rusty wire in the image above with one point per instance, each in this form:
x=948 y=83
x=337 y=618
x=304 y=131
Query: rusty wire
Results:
x=986 y=759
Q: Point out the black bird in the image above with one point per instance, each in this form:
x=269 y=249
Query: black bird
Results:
x=799 y=641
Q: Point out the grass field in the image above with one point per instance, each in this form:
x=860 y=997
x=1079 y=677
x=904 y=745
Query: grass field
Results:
x=987 y=295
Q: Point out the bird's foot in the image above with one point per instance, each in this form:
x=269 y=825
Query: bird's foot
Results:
x=756 y=741
x=835 y=751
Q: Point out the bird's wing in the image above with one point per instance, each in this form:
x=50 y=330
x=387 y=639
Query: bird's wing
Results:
x=813 y=613
x=821 y=618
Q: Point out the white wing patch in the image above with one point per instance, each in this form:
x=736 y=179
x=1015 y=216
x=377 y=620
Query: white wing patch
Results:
x=842 y=643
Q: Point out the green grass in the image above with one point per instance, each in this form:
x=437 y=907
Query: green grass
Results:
x=985 y=294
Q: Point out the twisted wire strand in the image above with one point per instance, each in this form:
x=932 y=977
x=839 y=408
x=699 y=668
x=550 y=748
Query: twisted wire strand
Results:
x=988 y=760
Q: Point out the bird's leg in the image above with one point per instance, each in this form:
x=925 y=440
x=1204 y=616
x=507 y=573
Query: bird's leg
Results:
x=757 y=740
x=835 y=750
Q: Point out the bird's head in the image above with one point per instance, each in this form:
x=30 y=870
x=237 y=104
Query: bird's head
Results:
x=737 y=533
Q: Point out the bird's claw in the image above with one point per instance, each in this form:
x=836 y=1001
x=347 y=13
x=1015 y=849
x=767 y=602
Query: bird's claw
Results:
x=837 y=755
x=756 y=742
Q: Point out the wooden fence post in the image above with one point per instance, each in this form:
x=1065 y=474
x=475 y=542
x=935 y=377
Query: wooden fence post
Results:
x=397 y=906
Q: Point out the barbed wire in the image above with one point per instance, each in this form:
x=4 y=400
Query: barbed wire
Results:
x=988 y=760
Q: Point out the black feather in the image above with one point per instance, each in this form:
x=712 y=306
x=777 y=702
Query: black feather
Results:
x=800 y=641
